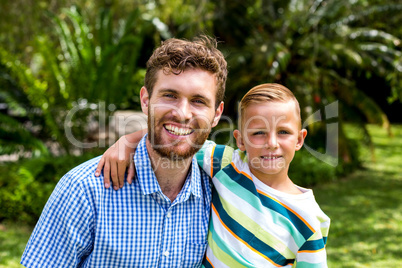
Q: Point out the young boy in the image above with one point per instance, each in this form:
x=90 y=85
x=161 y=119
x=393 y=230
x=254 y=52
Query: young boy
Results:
x=259 y=217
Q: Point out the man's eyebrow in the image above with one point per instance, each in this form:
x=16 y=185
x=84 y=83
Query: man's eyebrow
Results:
x=200 y=96
x=167 y=90
x=204 y=98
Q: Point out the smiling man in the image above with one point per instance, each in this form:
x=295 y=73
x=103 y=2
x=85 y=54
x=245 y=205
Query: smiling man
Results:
x=163 y=221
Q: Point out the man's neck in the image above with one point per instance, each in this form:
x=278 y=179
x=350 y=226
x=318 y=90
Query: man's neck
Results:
x=170 y=173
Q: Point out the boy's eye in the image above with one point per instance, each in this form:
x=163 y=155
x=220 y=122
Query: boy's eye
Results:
x=283 y=132
x=259 y=133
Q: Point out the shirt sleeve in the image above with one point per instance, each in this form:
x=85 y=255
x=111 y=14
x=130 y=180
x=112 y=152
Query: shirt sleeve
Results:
x=313 y=252
x=63 y=235
x=213 y=157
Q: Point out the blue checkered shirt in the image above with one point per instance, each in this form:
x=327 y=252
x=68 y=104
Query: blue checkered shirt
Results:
x=85 y=225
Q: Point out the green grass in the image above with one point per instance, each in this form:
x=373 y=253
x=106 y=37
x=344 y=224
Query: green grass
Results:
x=13 y=238
x=365 y=209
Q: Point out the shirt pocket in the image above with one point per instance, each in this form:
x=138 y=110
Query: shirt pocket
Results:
x=194 y=254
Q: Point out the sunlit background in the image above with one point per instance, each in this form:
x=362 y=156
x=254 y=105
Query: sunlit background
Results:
x=70 y=71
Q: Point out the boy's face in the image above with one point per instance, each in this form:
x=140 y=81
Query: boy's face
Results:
x=270 y=134
x=181 y=112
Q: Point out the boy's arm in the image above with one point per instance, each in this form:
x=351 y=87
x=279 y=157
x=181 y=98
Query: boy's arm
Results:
x=313 y=251
x=305 y=259
x=114 y=162
x=118 y=158
x=213 y=157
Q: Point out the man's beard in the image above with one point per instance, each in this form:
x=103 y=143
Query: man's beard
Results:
x=170 y=151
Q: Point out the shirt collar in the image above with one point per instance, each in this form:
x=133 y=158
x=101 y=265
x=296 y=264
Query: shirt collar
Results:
x=195 y=178
x=147 y=179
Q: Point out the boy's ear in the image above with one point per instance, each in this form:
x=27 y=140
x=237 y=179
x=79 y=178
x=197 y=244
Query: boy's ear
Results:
x=239 y=140
x=300 y=139
x=144 y=97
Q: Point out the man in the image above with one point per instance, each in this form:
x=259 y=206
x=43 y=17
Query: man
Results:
x=163 y=221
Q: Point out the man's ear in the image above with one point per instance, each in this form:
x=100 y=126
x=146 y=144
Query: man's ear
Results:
x=239 y=140
x=300 y=138
x=144 y=97
x=218 y=114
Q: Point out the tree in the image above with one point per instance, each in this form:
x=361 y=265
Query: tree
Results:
x=89 y=64
x=316 y=48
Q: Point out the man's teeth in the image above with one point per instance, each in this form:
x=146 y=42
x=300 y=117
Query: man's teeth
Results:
x=178 y=131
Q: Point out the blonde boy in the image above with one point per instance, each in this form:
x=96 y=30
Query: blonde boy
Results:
x=259 y=217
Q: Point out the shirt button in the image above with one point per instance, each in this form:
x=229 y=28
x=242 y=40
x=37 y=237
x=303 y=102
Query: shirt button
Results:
x=169 y=214
x=166 y=253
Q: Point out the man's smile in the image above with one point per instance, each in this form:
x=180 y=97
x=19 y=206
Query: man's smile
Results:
x=178 y=131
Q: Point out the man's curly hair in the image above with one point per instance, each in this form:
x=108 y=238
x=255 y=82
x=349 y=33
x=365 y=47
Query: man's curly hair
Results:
x=176 y=55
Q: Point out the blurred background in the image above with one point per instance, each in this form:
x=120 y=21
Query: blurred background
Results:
x=69 y=70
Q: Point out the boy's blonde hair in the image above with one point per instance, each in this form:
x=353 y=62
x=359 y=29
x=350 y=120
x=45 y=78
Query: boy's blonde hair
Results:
x=270 y=92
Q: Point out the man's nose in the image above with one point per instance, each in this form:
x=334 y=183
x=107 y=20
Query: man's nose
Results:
x=184 y=110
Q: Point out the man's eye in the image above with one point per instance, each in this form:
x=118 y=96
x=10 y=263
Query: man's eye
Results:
x=169 y=96
x=199 y=101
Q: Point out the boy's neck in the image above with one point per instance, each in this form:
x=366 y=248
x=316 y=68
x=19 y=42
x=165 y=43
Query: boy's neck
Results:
x=279 y=182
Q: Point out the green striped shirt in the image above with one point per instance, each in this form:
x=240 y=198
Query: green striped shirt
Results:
x=254 y=225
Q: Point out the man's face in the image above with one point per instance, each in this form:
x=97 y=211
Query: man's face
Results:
x=181 y=112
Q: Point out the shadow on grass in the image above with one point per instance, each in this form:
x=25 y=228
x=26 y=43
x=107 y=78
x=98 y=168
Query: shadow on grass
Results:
x=366 y=214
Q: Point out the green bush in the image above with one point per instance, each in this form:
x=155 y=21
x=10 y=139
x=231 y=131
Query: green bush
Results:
x=26 y=185
x=306 y=170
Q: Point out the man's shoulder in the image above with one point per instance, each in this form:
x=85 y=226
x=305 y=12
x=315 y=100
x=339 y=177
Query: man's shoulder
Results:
x=84 y=174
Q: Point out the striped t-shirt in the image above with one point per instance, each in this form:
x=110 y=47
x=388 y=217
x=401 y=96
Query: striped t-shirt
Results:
x=254 y=225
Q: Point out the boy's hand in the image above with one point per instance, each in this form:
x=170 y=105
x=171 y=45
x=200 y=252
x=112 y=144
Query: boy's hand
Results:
x=114 y=163
x=117 y=159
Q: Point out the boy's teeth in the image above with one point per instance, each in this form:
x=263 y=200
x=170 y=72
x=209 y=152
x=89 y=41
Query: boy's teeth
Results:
x=270 y=157
x=178 y=131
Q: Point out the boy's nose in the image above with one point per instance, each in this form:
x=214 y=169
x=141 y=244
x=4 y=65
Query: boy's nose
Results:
x=272 y=142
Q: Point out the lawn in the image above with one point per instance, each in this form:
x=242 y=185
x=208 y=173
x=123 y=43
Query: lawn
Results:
x=13 y=238
x=365 y=209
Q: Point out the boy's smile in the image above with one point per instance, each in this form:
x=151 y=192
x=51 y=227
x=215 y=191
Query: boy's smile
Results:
x=270 y=134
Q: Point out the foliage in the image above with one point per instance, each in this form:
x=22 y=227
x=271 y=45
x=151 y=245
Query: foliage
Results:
x=75 y=59
x=95 y=62
x=306 y=170
x=316 y=48
x=15 y=134
x=92 y=67
x=25 y=186
x=180 y=18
